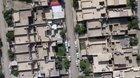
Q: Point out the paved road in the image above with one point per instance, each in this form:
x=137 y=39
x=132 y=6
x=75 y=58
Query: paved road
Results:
x=138 y=14
x=138 y=11
x=71 y=37
x=3 y=30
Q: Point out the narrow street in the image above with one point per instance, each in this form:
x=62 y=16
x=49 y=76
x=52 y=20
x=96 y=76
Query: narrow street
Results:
x=138 y=15
x=71 y=38
x=138 y=11
x=3 y=30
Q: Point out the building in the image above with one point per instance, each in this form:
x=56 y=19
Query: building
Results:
x=37 y=32
x=107 y=39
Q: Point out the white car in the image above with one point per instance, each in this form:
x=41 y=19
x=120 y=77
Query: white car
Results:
x=69 y=58
x=75 y=44
x=77 y=62
x=66 y=45
x=77 y=55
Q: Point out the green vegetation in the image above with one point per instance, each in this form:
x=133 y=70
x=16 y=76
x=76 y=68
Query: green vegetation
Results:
x=8 y=17
x=66 y=63
x=1 y=74
x=62 y=33
x=138 y=57
x=75 y=4
x=11 y=55
x=61 y=51
x=85 y=67
x=61 y=61
x=80 y=28
x=10 y=36
x=27 y=1
x=84 y=77
x=134 y=41
x=58 y=63
x=131 y=4
x=133 y=24
x=1 y=44
x=14 y=72
x=82 y=45
x=81 y=77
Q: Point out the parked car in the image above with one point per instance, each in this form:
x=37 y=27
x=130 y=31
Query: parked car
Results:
x=77 y=62
x=77 y=55
x=67 y=45
x=76 y=44
x=69 y=58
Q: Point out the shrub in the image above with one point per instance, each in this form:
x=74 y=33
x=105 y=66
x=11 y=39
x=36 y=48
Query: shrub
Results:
x=134 y=41
x=80 y=29
x=131 y=4
x=61 y=50
x=15 y=72
x=10 y=36
x=8 y=17
x=133 y=24
x=62 y=33
x=75 y=4
x=1 y=74
x=1 y=44
x=138 y=57
x=66 y=63
x=11 y=55
x=85 y=67
x=58 y=63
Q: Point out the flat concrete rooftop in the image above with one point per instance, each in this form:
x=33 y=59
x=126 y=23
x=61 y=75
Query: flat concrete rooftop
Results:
x=25 y=74
x=24 y=39
x=25 y=66
x=23 y=15
x=18 y=5
x=23 y=48
x=116 y=2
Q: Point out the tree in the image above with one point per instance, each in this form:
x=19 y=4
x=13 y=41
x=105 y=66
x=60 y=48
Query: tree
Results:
x=11 y=55
x=10 y=36
x=134 y=41
x=138 y=57
x=75 y=4
x=80 y=29
x=58 y=63
x=1 y=74
x=61 y=50
x=15 y=72
x=62 y=33
x=133 y=24
x=131 y=4
x=1 y=44
x=85 y=67
x=66 y=63
x=8 y=17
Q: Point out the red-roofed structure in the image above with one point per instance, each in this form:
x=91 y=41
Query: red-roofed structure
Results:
x=54 y=3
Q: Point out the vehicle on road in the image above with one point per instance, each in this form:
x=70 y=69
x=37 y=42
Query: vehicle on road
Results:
x=67 y=45
x=76 y=44
x=77 y=62
x=69 y=58
x=77 y=55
